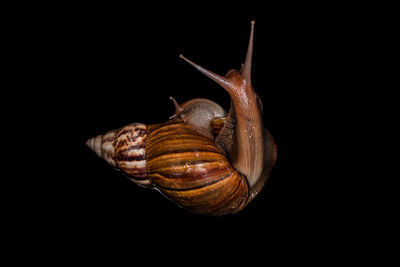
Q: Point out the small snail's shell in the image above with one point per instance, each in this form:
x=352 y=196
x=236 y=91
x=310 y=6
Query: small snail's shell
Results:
x=199 y=114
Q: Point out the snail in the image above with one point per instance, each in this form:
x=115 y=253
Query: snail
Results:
x=204 y=159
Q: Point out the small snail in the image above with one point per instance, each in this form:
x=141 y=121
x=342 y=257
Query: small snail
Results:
x=204 y=159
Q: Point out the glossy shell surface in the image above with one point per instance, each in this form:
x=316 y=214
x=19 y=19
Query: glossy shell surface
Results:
x=190 y=170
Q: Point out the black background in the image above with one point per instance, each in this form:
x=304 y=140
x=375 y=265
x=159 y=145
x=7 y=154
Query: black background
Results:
x=101 y=68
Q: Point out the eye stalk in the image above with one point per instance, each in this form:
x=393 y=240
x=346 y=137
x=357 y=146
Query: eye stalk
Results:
x=225 y=82
x=249 y=143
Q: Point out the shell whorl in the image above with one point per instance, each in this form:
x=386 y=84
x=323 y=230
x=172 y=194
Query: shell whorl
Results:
x=103 y=146
x=124 y=149
x=190 y=170
x=174 y=158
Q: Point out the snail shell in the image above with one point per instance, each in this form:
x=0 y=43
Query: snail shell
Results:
x=183 y=164
x=203 y=159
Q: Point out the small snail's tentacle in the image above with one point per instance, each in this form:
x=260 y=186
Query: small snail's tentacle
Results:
x=178 y=108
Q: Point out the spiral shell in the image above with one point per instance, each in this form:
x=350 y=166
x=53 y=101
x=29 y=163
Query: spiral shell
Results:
x=124 y=149
x=190 y=170
x=184 y=165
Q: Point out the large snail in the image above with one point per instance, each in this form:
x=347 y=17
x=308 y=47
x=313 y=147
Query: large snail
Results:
x=203 y=159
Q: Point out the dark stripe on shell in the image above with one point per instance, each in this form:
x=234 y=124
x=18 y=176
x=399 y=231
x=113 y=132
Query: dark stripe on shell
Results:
x=131 y=128
x=129 y=148
x=196 y=187
x=125 y=157
x=192 y=171
x=135 y=172
x=186 y=151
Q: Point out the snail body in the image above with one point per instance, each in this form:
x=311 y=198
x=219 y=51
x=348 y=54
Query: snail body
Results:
x=204 y=159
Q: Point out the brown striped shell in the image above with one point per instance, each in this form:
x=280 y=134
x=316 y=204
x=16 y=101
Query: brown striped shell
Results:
x=184 y=165
x=189 y=169
x=124 y=149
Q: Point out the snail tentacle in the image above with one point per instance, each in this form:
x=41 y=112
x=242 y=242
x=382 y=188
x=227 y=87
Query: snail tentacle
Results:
x=249 y=145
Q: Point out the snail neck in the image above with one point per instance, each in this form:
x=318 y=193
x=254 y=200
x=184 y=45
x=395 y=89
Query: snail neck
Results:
x=249 y=145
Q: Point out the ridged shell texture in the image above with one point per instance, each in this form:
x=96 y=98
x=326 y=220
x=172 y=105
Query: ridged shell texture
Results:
x=184 y=165
x=124 y=149
x=192 y=171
